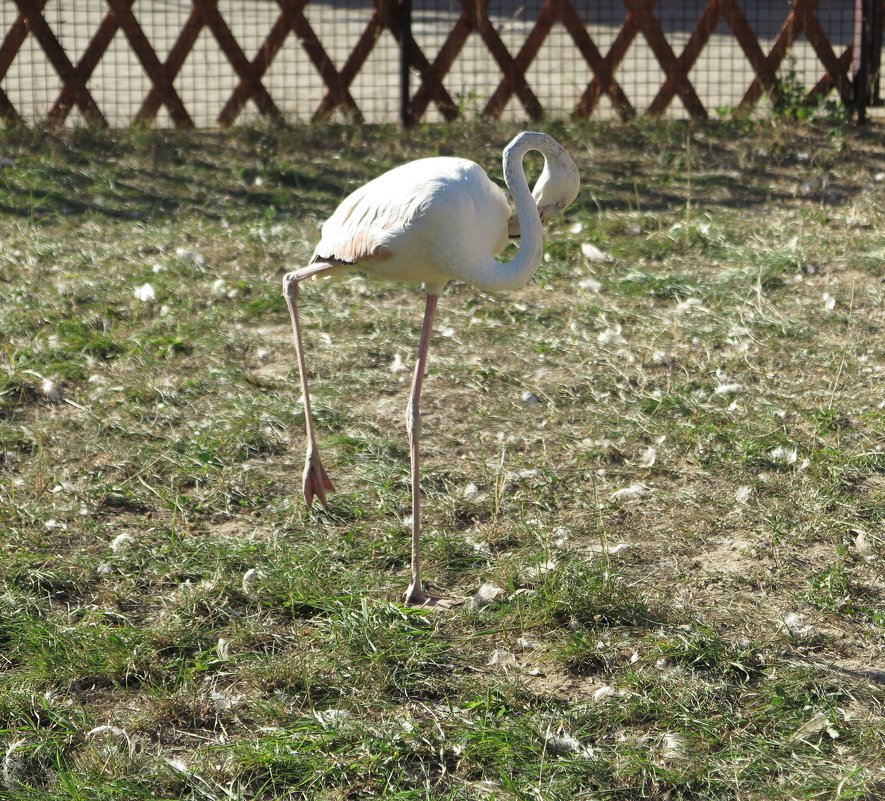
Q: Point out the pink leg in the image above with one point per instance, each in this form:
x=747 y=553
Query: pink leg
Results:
x=315 y=482
x=415 y=593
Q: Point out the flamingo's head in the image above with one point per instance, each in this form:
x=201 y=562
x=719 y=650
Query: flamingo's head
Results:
x=558 y=185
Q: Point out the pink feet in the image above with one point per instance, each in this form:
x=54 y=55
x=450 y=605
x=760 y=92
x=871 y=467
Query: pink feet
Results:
x=416 y=597
x=315 y=481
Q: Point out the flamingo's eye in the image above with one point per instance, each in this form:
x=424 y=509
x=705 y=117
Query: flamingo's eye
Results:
x=561 y=204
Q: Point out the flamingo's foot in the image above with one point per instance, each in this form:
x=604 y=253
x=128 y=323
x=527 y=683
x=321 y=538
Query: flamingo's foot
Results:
x=418 y=599
x=315 y=482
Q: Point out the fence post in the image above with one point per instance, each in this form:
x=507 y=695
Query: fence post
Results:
x=405 y=60
x=875 y=53
x=868 y=41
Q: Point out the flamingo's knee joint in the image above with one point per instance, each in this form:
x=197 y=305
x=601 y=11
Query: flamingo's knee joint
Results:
x=290 y=285
x=413 y=419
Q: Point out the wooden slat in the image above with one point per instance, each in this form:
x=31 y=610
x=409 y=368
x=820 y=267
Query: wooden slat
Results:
x=766 y=76
x=12 y=43
x=155 y=70
x=236 y=57
x=431 y=79
x=7 y=110
x=548 y=14
x=818 y=40
x=364 y=46
x=683 y=64
x=444 y=102
x=88 y=62
x=260 y=64
x=513 y=79
x=603 y=78
x=15 y=38
x=174 y=62
x=651 y=28
x=70 y=76
x=293 y=12
x=825 y=85
x=732 y=13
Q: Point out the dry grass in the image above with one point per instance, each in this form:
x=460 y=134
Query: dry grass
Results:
x=669 y=461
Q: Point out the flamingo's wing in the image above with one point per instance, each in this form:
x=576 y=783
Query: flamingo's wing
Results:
x=367 y=221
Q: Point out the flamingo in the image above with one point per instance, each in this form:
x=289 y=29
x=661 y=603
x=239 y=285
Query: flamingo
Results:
x=432 y=221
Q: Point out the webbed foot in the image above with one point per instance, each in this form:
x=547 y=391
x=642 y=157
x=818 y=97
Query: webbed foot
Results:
x=315 y=482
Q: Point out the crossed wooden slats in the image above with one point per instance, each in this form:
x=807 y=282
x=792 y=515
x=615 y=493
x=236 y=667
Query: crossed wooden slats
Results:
x=639 y=18
x=292 y=19
x=72 y=78
x=766 y=67
x=174 y=62
x=514 y=68
x=258 y=67
x=12 y=42
x=514 y=72
x=801 y=17
x=76 y=77
x=603 y=82
x=87 y=63
x=473 y=19
x=156 y=71
x=204 y=13
x=237 y=58
x=338 y=91
x=677 y=69
x=337 y=96
x=766 y=78
x=432 y=77
x=818 y=40
x=827 y=83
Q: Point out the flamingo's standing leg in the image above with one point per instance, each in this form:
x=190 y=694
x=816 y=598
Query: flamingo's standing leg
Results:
x=415 y=595
x=315 y=482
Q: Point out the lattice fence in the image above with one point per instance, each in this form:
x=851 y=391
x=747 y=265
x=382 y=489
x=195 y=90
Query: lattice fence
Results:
x=211 y=62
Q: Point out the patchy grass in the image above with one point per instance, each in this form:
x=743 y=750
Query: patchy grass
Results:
x=668 y=460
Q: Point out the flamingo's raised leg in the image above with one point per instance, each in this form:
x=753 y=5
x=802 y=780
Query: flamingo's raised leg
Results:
x=315 y=482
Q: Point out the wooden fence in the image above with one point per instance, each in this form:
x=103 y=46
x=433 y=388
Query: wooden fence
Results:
x=209 y=62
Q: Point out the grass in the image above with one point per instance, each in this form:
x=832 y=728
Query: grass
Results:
x=669 y=462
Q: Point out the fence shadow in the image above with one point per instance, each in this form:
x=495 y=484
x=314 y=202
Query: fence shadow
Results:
x=287 y=174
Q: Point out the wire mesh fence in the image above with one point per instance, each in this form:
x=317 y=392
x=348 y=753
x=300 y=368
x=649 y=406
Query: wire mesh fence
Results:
x=211 y=62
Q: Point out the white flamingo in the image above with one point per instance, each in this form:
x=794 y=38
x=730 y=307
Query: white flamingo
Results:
x=432 y=221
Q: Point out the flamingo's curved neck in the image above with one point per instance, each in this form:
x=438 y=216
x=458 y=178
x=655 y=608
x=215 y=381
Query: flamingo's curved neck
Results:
x=514 y=274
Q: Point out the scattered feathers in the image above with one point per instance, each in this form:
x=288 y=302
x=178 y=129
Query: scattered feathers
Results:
x=145 y=293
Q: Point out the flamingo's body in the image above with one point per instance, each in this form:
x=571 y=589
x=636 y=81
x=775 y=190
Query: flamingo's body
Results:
x=401 y=226
x=431 y=221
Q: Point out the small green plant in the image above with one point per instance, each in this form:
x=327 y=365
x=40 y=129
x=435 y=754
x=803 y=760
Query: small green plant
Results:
x=792 y=100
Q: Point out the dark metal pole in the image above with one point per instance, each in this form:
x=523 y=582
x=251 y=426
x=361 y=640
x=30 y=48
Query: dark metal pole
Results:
x=869 y=43
x=860 y=88
x=875 y=54
x=405 y=62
